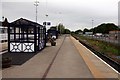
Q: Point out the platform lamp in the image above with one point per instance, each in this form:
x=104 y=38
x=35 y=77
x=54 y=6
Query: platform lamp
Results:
x=92 y=26
x=36 y=5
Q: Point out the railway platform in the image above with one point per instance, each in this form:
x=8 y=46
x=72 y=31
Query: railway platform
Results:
x=68 y=59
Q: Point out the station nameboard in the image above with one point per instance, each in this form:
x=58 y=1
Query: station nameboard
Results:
x=47 y=23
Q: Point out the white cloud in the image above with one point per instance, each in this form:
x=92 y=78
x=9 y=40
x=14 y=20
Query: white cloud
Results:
x=74 y=14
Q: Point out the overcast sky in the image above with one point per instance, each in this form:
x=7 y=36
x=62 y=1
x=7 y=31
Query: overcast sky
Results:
x=74 y=14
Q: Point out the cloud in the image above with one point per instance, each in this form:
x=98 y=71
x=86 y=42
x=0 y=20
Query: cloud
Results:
x=74 y=14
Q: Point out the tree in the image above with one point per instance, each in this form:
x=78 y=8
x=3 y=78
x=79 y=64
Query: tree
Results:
x=85 y=30
x=61 y=28
x=78 y=31
x=67 y=31
x=105 y=28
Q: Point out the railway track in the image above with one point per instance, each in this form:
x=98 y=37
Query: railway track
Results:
x=108 y=60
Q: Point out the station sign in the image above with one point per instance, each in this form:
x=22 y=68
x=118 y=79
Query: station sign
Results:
x=46 y=23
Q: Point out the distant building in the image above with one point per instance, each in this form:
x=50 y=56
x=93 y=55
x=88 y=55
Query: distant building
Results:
x=98 y=34
x=89 y=33
x=80 y=33
x=115 y=35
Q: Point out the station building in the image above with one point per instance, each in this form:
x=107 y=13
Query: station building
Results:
x=25 y=36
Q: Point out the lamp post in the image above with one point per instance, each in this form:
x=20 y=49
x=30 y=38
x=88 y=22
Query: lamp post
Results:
x=60 y=22
x=92 y=26
x=36 y=5
x=92 y=23
x=3 y=18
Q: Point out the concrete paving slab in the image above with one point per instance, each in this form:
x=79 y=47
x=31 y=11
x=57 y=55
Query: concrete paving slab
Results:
x=36 y=66
x=68 y=63
x=73 y=61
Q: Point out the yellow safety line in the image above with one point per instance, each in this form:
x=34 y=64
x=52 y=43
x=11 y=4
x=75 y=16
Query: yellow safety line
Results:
x=96 y=73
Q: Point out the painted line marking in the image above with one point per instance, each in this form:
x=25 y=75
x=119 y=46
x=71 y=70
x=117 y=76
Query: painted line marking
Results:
x=96 y=73
x=100 y=58
x=50 y=65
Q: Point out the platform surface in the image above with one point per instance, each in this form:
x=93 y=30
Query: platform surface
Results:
x=68 y=59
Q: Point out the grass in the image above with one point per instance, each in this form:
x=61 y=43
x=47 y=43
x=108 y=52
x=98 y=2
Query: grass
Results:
x=108 y=49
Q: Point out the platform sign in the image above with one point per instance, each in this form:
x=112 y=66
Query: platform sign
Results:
x=46 y=23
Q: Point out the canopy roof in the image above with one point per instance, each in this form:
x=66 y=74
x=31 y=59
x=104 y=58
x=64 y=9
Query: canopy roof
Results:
x=24 y=23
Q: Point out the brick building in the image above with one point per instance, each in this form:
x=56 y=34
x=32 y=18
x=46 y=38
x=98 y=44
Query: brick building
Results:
x=114 y=35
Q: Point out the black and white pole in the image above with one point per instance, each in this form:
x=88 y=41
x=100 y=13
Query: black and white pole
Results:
x=36 y=5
